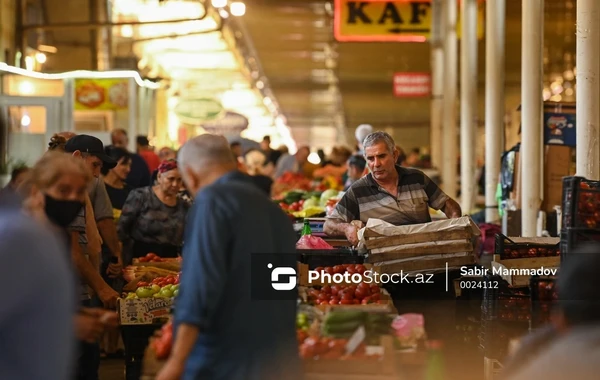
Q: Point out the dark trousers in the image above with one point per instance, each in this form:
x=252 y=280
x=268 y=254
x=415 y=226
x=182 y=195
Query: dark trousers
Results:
x=88 y=357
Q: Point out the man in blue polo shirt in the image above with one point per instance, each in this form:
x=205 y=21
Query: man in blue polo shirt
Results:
x=220 y=331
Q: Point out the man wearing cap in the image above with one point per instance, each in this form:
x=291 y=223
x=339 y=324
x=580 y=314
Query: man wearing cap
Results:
x=91 y=150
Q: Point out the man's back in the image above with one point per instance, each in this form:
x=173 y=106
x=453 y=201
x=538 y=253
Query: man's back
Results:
x=36 y=318
x=240 y=338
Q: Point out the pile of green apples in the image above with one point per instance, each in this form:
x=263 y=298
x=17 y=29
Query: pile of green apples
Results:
x=155 y=291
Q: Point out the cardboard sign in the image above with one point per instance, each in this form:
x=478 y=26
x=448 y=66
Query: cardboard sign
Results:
x=357 y=338
x=143 y=311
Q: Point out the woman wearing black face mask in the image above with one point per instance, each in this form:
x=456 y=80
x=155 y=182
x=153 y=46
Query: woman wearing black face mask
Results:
x=54 y=193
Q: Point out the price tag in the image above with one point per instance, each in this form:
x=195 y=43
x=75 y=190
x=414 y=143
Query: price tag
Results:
x=357 y=338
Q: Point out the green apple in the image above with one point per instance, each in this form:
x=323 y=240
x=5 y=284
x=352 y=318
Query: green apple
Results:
x=176 y=292
x=167 y=293
x=157 y=295
x=175 y=287
x=155 y=288
x=144 y=292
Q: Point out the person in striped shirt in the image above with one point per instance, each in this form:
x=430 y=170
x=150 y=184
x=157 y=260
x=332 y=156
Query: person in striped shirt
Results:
x=392 y=193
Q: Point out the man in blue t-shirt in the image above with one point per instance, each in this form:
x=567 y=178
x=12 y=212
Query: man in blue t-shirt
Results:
x=220 y=331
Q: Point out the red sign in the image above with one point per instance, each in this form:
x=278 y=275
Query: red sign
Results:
x=407 y=85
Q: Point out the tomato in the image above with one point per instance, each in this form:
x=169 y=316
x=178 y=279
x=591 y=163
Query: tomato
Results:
x=323 y=297
x=326 y=289
x=360 y=268
x=169 y=280
x=143 y=260
x=348 y=296
x=335 y=290
x=301 y=202
x=324 y=302
x=329 y=270
x=375 y=288
x=350 y=270
x=360 y=293
x=356 y=302
x=156 y=260
x=338 y=269
x=347 y=302
x=151 y=255
x=176 y=281
x=142 y=283
x=319 y=269
x=314 y=293
x=283 y=206
x=334 y=301
x=375 y=297
x=366 y=301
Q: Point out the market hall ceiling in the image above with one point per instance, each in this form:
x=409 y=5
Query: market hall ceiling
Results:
x=306 y=67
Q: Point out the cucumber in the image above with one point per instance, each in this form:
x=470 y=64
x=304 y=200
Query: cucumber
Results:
x=347 y=328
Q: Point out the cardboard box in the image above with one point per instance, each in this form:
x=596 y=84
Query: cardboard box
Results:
x=143 y=311
x=557 y=165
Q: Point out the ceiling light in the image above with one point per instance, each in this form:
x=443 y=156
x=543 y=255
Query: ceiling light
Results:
x=219 y=3
x=223 y=13
x=238 y=8
x=48 y=49
x=127 y=31
x=25 y=120
x=314 y=158
x=40 y=57
x=260 y=85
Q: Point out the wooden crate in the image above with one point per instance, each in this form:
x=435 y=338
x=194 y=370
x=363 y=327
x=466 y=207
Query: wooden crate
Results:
x=526 y=263
x=456 y=247
x=368 y=369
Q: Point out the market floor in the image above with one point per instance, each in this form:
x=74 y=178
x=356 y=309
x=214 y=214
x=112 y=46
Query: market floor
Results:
x=113 y=369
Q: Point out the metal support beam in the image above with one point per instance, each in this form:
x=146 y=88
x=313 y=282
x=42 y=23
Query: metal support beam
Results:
x=531 y=113
x=468 y=103
x=437 y=83
x=450 y=135
x=494 y=102
x=588 y=97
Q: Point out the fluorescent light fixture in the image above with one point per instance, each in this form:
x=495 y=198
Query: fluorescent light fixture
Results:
x=219 y=3
x=25 y=120
x=48 y=49
x=223 y=13
x=235 y=99
x=29 y=63
x=81 y=74
x=237 y=8
x=191 y=60
x=127 y=31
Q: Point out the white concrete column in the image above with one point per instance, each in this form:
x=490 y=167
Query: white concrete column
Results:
x=450 y=132
x=494 y=101
x=588 y=97
x=437 y=83
x=531 y=113
x=468 y=102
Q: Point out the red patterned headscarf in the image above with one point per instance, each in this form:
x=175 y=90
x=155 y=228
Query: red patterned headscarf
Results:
x=167 y=165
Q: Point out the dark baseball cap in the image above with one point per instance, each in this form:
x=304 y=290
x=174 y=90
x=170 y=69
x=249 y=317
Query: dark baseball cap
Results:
x=91 y=145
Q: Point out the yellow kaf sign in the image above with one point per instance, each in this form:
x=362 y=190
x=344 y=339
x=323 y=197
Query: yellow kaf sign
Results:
x=388 y=21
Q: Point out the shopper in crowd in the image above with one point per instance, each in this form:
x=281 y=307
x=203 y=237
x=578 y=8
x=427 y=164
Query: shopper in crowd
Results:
x=292 y=163
x=166 y=153
x=256 y=162
x=356 y=170
x=139 y=175
x=54 y=192
x=273 y=156
x=414 y=158
x=17 y=176
x=336 y=165
x=91 y=150
x=413 y=191
x=362 y=131
x=36 y=326
x=154 y=217
x=147 y=152
x=115 y=179
x=568 y=346
x=230 y=221
x=401 y=156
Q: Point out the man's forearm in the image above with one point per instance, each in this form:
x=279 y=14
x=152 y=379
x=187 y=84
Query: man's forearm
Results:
x=84 y=267
x=335 y=227
x=452 y=209
x=108 y=231
x=184 y=342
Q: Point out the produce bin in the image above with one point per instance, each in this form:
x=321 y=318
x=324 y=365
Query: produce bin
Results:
x=505 y=314
x=543 y=298
x=580 y=203
x=520 y=248
x=573 y=238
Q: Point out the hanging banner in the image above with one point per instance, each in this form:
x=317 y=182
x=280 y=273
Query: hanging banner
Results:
x=101 y=94
x=390 y=21
x=559 y=124
x=195 y=111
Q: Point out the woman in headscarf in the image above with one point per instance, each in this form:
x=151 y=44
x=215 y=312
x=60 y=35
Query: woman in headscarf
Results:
x=153 y=218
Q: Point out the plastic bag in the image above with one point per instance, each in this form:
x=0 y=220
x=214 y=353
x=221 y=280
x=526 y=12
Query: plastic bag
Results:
x=409 y=329
x=312 y=242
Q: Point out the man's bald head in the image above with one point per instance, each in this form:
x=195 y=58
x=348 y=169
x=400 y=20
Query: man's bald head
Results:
x=119 y=138
x=203 y=159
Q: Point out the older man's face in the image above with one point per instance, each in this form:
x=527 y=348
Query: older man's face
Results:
x=120 y=140
x=381 y=161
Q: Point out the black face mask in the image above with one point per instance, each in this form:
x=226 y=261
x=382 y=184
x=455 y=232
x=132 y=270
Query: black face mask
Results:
x=62 y=212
